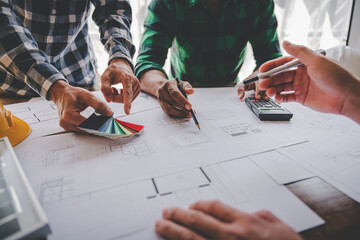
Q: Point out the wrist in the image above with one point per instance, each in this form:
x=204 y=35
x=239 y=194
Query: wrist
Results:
x=122 y=62
x=57 y=90
x=152 y=81
x=351 y=106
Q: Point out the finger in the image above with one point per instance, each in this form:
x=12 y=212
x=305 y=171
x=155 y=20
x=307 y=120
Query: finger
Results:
x=285 y=77
x=275 y=63
x=271 y=92
x=250 y=86
x=128 y=95
x=170 y=230
x=264 y=214
x=173 y=111
x=106 y=87
x=285 y=97
x=241 y=92
x=68 y=126
x=257 y=92
x=65 y=125
x=217 y=209
x=304 y=54
x=136 y=92
x=98 y=105
x=196 y=221
x=118 y=99
x=187 y=88
x=280 y=89
x=74 y=118
x=179 y=100
x=263 y=95
x=171 y=94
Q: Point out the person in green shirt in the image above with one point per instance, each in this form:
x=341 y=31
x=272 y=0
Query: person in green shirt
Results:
x=207 y=40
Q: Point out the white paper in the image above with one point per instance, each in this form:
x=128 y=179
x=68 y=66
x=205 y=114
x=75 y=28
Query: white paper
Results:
x=280 y=168
x=74 y=173
x=42 y=115
x=336 y=160
x=77 y=209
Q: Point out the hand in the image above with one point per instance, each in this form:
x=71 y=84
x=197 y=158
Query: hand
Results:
x=215 y=220
x=119 y=71
x=172 y=101
x=320 y=83
x=71 y=101
x=259 y=93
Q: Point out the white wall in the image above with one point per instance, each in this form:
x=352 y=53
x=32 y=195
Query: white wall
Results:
x=354 y=39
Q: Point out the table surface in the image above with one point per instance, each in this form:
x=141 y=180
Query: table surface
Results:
x=341 y=213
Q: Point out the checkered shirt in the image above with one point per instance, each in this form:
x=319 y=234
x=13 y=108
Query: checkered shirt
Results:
x=207 y=48
x=45 y=41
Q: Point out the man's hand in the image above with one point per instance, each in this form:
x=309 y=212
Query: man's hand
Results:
x=172 y=101
x=119 y=71
x=215 y=220
x=259 y=94
x=71 y=101
x=320 y=83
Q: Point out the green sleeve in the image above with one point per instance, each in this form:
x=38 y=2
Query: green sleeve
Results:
x=158 y=36
x=264 y=39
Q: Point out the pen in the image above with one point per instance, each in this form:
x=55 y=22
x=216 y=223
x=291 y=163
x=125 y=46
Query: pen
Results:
x=292 y=64
x=191 y=111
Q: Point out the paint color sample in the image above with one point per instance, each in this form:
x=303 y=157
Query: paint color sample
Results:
x=94 y=122
x=109 y=127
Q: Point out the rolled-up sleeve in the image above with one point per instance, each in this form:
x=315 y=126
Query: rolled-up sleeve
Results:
x=264 y=39
x=114 y=19
x=157 y=38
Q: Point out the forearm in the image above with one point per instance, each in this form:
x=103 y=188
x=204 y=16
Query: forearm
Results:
x=151 y=81
x=351 y=106
x=20 y=56
x=264 y=39
x=114 y=20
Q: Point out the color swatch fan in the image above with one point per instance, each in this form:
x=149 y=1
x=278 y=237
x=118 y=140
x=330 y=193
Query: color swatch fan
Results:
x=109 y=127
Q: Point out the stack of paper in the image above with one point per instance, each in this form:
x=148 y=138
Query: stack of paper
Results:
x=109 y=127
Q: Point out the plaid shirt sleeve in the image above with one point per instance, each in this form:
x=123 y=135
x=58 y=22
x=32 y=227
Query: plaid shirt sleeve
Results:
x=114 y=18
x=21 y=57
x=157 y=38
x=264 y=39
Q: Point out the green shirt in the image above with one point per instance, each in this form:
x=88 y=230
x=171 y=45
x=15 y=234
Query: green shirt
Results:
x=207 y=48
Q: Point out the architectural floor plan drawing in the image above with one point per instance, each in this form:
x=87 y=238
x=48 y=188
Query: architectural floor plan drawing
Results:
x=73 y=193
x=97 y=188
x=34 y=112
x=337 y=164
x=42 y=115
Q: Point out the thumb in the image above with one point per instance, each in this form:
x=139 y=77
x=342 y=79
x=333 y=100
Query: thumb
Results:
x=304 y=54
x=241 y=92
x=99 y=105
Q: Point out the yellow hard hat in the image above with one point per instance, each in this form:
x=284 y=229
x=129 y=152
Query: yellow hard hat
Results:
x=12 y=127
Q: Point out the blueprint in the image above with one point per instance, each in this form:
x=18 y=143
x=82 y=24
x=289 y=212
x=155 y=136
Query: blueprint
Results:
x=42 y=115
x=335 y=160
x=93 y=188
x=73 y=187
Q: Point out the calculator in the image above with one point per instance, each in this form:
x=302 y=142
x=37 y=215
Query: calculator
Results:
x=268 y=110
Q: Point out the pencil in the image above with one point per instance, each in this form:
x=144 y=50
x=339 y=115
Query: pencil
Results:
x=292 y=64
x=191 y=111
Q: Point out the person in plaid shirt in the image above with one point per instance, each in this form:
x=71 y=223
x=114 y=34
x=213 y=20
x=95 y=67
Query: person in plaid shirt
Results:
x=207 y=40
x=45 y=50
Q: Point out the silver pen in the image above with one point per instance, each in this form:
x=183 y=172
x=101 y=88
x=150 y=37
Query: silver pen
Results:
x=292 y=64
